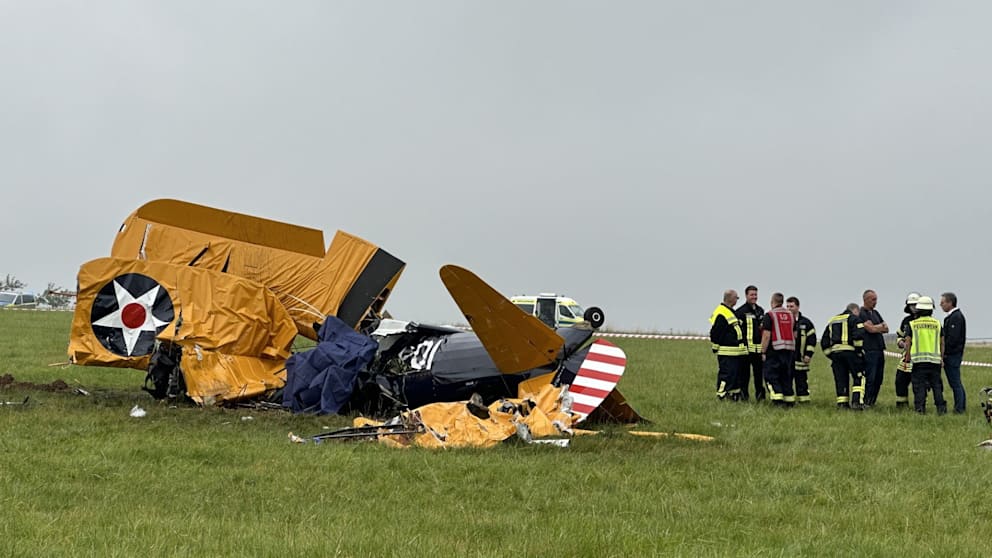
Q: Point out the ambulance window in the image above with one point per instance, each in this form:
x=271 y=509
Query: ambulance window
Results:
x=564 y=311
x=528 y=308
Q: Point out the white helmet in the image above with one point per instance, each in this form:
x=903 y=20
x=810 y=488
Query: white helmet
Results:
x=924 y=303
x=912 y=298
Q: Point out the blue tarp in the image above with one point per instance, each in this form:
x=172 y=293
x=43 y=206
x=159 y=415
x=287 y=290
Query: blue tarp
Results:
x=321 y=380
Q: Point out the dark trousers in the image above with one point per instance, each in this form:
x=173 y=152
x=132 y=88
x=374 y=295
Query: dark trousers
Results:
x=727 y=375
x=926 y=375
x=848 y=367
x=874 y=373
x=903 y=379
x=801 y=378
x=952 y=369
x=752 y=364
x=778 y=376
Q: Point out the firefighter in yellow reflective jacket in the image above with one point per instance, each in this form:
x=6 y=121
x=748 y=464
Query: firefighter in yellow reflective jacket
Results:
x=905 y=369
x=842 y=342
x=728 y=344
x=805 y=348
x=924 y=350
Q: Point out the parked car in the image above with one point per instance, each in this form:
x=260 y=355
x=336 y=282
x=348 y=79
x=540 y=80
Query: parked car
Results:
x=557 y=310
x=11 y=299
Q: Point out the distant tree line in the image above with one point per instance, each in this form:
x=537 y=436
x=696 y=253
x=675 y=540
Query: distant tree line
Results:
x=11 y=283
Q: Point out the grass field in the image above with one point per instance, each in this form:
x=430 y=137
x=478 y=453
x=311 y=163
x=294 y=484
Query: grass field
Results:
x=78 y=476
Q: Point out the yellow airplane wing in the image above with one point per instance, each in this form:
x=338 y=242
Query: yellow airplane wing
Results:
x=351 y=280
x=234 y=334
x=515 y=340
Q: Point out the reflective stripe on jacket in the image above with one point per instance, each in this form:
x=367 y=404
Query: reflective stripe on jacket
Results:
x=844 y=332
x=725 y=332
x=805 y=341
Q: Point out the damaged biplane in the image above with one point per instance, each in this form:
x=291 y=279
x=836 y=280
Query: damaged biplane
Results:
x=208 y=302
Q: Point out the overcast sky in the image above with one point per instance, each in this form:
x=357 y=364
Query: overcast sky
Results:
x=638 y=156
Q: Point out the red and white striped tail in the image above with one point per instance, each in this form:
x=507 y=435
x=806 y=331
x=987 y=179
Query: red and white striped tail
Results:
x=597 y=376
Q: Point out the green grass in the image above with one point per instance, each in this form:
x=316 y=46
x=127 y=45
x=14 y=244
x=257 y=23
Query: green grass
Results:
x=78 y=476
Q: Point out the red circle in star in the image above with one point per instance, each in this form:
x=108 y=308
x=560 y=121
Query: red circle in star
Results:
x=133 y=315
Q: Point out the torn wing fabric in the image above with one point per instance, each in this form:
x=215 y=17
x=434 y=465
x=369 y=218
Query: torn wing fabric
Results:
x=321 y=380
x=454 y=425
x=287 y=259
x=234 y=333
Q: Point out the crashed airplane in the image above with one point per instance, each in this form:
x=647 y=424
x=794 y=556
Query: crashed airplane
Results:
x=208 y=303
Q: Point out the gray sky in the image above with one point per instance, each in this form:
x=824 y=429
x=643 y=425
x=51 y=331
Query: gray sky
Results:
x=638 y=156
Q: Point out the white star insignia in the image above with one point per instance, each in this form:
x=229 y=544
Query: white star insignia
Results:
x=133 y=315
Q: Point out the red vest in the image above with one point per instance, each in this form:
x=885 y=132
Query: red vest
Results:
x=783 y=335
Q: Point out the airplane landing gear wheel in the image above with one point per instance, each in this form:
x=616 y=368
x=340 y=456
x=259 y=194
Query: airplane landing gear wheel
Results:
x=595 y=317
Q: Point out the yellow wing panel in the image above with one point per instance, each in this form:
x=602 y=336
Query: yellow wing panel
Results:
x=215 y=377
x=218 y=312
x=227 y=224
x=308 y=282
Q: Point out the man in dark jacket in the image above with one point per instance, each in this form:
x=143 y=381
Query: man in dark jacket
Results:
x=954 y=336
x=875 y=328
x=750 y=315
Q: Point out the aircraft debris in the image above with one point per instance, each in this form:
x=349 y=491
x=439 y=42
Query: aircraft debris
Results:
x=137 y=412
x=682 y=435
x=208 y=302
x=453 y=424
x=559 y=442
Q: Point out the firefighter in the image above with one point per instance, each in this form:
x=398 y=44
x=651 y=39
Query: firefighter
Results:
x=924 y=347
x=842 y=342
x=728 y=345
x=778 y=349
x=904 y=369
x=805 y=335
x=750 y=314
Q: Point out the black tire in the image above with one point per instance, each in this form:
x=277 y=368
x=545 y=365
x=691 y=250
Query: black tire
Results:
x=594 y=316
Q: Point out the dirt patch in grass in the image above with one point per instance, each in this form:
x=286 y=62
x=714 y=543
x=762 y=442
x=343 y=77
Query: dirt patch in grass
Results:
x=8 y=381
